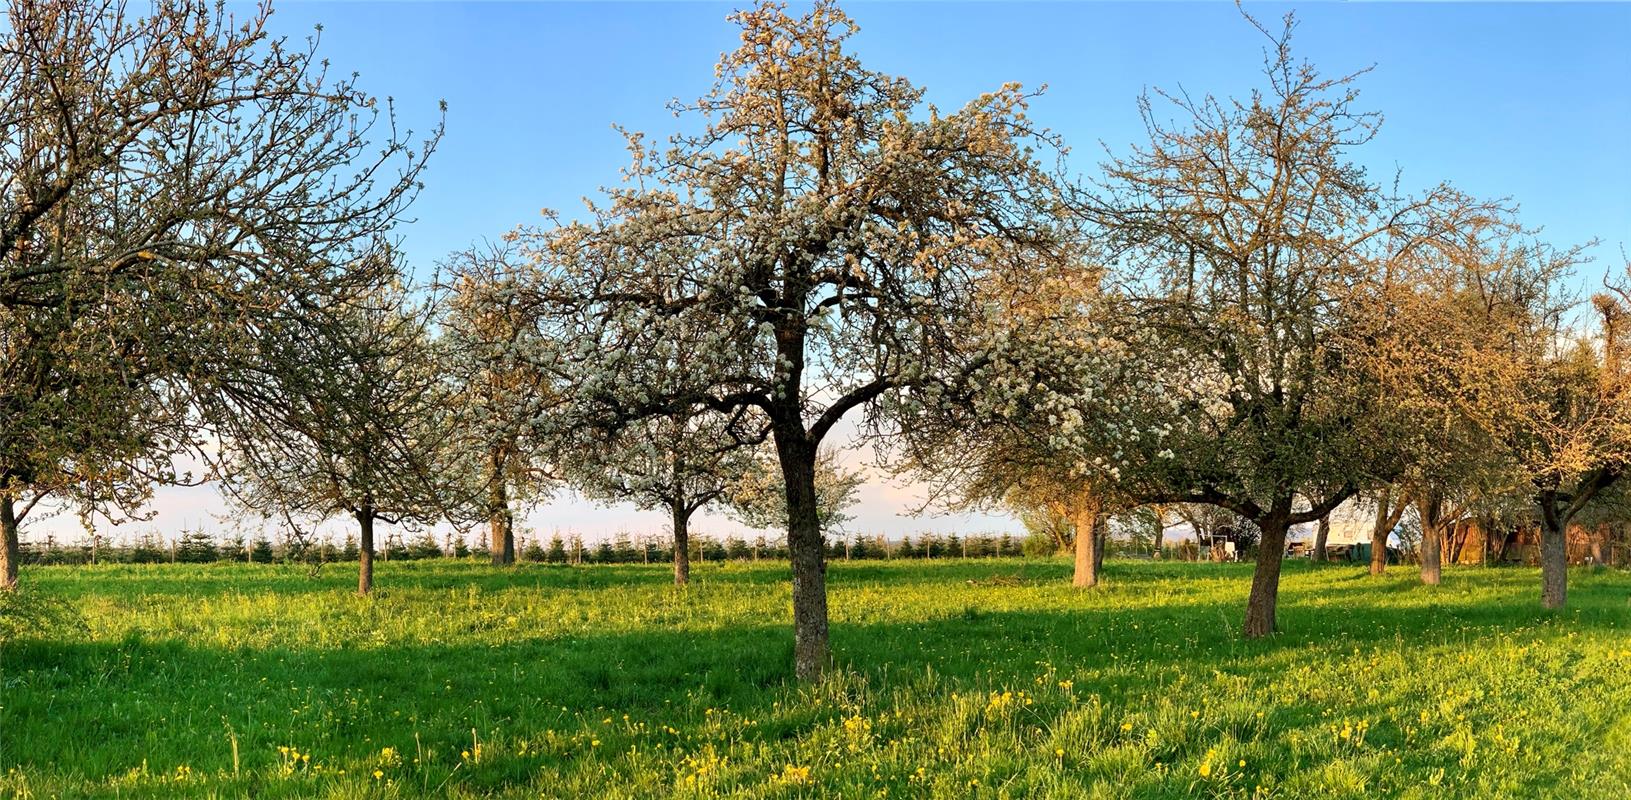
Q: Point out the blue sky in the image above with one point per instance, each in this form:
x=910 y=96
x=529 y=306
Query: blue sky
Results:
x=1521 y=100
x=1528 y=101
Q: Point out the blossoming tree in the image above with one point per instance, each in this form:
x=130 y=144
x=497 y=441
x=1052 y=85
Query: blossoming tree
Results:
x=1249 y=248
x=1573 y=443
x=350 y=415
x=679 y=464
x=168 y=176
x=820 y=231
x=503 y=402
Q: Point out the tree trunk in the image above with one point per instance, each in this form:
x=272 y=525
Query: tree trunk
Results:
x=1431 y=510
x=501 y=523
x=807 y=552
x=1554 y=561
x=1378 y=549
x=1265 y=594
x=365 y=550
x=1379 y=533
x=501 y=526
x=11 y=553
x=1086 y=519
x=1321 y=535
x=1432 y=553
x=682 y=543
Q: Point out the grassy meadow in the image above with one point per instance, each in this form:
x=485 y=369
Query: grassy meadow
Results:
x=981 y=678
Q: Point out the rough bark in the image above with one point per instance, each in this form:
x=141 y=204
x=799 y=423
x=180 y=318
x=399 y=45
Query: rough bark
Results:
x=365 y=550
x=1554 y=559
x=682 y=543
x=807 y=552
x=1086 y=520
x=1260 y=606
x=1432 y=553
x=502 y=530
x=1322 y=534
x=1557 y=510
x=501 y=522
x=1430 y=508
x=11 y=553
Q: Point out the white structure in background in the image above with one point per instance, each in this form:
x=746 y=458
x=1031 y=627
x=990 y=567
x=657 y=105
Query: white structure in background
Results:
x=1351 y=526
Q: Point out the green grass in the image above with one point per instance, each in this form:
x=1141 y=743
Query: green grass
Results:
x=954 y=679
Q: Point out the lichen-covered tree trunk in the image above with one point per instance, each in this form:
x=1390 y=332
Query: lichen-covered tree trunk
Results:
x=1432 y=552
x=1086 y=521
x=501 y=527
x=1554 y=562
x=11 y=552
x=1430 y=508
x=807 y=552
x=500 y=521
x=365 y=550
x=682 y=542
x=1265 y=594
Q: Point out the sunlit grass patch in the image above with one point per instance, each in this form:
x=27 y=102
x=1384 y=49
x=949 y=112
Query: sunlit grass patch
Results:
x=463 y=680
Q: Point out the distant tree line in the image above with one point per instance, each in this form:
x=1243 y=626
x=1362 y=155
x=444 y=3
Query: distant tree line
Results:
x=198 y=547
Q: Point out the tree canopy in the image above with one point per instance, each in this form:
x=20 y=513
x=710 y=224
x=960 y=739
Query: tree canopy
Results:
x=820 y=240
x=167 y=179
